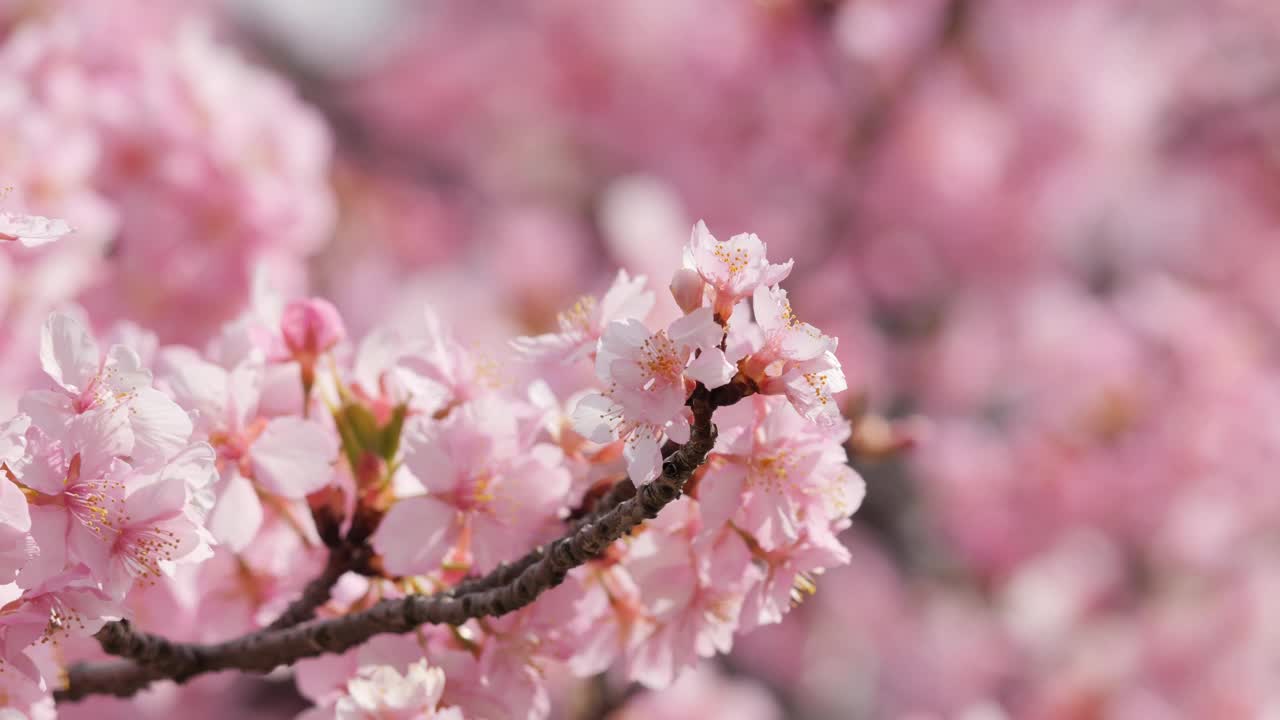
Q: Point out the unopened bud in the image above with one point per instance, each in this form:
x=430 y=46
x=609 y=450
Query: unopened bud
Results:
x=311 y=327
x=687 y=287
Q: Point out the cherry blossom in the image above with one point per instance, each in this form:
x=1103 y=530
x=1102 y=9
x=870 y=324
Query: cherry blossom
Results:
x=582 y=324
x=795 y=359
x=646 y=374
x=379 y=692
x=86 y=379
x=694 y=600
x=777 y=474
x=287 y=457
x=63 y=606
x=488 y=494
x=310 y=328
x=158 y=528
x=732 y=269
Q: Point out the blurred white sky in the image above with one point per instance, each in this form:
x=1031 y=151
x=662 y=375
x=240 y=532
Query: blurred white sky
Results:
x=331 y=36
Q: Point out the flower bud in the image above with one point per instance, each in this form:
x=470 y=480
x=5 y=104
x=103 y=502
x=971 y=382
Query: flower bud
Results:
x=311 y=327
x=686 y=287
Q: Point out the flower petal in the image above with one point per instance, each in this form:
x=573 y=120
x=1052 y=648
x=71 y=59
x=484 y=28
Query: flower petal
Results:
x=68 y=353
x=293 y=457
x=711 y=369
x=415 y=535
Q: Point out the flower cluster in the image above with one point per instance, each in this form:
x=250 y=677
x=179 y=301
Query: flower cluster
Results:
x=182 y=168
x=105 y=491
x=207 y=486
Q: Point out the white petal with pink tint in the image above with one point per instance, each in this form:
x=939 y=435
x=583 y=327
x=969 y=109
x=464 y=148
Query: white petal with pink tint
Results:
x=697 y=329
x=200 y=387
x=161 y=429
x=68 y=353
x=237 y=515
x=595 y=417
x=415 y=536
x=626 y=298
x=711 y=369
x=644 y=457
x=293 y=457
x=31 y=230
x=16 y=546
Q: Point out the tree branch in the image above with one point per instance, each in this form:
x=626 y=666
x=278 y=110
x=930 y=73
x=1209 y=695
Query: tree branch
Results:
x=317 y=592
x=506 y=589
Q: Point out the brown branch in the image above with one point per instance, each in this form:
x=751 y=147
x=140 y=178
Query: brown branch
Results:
x=156 y=658
x=342 y=559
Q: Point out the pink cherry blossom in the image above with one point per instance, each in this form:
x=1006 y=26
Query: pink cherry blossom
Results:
x=199 y=500
x=288 y=457
x=789 y=576
x=80 y=486
x=610 y=620
x=379 y=692
x=488 y=493
x=777 y=474
x=26 y=698
x=732 y=269
x=501 y=680
x=794 y=359
x=157 y=529
x=63 y=606
x=90 y=509
x=582 y=325
x=693 y=594
x=646 y=376
x=31 y=230
x=86 y=380
x=438 y=354
x=380 y=379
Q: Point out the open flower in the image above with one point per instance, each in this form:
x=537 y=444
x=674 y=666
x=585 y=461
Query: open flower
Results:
x=794 y=359
x=489 y=493
x=380 y=692
x=84 y=380
x=288 y=457
x=779 y=476
x=91 y=509
x=156 y=529
x=63 y=606
x=789 y=577
x=583 y=324
x=646 y=374
x=76 y=492
x=732 y=269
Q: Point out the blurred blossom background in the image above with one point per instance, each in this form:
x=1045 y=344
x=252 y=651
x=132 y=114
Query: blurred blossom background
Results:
x=1046 y=234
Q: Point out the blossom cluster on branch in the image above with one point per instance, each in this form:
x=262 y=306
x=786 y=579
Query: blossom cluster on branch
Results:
x=418 y=529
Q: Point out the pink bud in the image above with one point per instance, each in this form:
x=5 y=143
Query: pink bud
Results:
x=686 y=288
x=311 y=327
